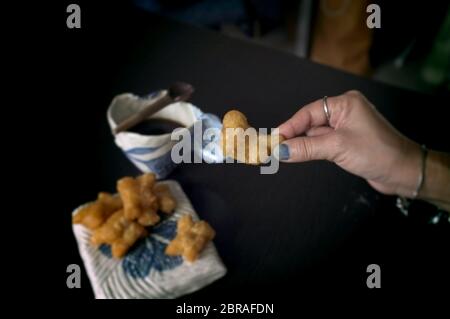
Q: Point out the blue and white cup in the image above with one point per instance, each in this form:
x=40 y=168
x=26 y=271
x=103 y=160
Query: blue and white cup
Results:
x=152 y=153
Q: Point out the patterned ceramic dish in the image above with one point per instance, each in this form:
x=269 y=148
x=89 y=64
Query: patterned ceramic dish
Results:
x=146 y=272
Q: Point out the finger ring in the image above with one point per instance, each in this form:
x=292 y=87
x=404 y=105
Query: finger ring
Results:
x=325 y=108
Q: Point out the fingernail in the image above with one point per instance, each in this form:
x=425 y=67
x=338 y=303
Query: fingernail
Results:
x=283 y=150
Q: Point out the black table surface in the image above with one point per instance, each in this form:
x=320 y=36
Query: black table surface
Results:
x=309 y=226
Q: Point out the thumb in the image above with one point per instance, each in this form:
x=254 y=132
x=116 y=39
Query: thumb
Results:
x=307 y=148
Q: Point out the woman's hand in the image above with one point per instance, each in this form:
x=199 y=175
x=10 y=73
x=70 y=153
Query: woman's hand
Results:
x=358 y=139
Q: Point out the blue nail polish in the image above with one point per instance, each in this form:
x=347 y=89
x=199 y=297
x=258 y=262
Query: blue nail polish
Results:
x=284 y=152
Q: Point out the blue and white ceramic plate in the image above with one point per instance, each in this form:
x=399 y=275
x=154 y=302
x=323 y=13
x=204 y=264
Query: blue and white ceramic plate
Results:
x=146 y=272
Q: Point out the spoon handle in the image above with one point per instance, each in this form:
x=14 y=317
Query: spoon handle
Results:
x=156 y=105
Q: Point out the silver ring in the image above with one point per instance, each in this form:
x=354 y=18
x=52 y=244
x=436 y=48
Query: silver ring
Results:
x=325 y=108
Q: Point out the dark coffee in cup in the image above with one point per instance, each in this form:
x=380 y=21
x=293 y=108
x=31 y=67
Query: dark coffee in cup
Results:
x=155 y=126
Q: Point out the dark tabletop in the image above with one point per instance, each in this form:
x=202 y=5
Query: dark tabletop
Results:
x=311 y=225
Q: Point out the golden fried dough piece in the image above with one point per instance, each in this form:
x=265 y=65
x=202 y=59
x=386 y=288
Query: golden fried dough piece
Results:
x=129 y=190
x=111 y=230
x=243 y=143
x=95 y=214
x=166 y=201
x=146 y=182
x=191 y=238
x=149 y=201
x=120 y=221
x=91 y=215
x=149 y=218
x=235 y=119
x=111 y=202
x=130 y=235
x=119 y=232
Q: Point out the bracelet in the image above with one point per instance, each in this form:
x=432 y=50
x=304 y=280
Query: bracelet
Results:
x=421 y=179
x=437 y=215
x=422 y=212
x=403 y=203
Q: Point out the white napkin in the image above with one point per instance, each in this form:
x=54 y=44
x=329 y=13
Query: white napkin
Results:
x=146 y=272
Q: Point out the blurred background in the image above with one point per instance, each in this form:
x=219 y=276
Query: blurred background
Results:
x=411 y=49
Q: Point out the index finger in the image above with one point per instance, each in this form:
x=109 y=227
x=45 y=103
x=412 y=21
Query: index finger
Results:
x=309 y=116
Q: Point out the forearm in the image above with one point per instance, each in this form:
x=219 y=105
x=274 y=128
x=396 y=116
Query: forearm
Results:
x=436 y=187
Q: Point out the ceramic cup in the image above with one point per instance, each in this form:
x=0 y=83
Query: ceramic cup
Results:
x=152 y=153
